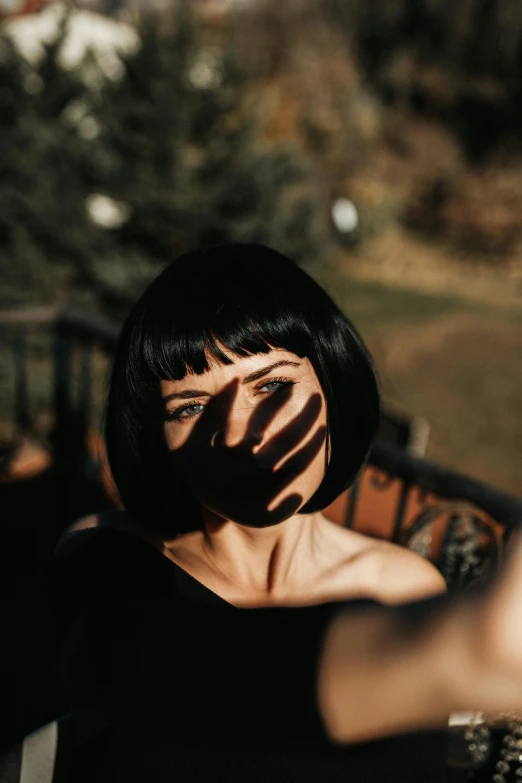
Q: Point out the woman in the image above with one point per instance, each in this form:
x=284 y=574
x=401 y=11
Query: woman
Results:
x=285 y=384
x=201 y=624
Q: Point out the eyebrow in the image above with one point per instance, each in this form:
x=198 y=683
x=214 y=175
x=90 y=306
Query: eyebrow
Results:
x=187 y=394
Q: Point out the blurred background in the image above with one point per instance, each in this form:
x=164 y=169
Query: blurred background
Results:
x=379 y=144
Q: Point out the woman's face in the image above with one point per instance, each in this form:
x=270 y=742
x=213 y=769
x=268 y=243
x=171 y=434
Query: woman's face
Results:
x=249 y=438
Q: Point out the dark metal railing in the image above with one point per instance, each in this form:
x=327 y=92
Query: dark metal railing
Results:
x=447 y=483
x=61 y=332
x=72 y=409
x=476 y=519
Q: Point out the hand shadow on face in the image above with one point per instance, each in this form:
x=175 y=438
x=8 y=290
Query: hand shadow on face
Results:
x=232 y=481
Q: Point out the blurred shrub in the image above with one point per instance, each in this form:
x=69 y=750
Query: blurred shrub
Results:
x=478 y=213
x=459 y=62
x=316 y=93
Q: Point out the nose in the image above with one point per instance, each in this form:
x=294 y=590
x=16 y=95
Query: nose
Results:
x=236 y=432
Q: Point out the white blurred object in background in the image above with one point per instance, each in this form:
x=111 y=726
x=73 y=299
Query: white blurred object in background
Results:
x=106 y=212
x=106 y=38
x=345 y=215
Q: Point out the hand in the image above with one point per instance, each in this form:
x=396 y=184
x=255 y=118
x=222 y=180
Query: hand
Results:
x=498 y=635
x=242 y=482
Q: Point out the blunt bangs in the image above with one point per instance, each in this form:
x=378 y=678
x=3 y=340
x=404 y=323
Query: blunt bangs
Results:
x=248 y=299
x=191 y=320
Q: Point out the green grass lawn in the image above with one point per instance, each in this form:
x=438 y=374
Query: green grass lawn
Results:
x=373 y=305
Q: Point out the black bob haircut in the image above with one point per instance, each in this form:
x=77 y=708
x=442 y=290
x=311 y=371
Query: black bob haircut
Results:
x=249 y=297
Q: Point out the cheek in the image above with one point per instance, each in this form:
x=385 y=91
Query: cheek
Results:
x=177 y=434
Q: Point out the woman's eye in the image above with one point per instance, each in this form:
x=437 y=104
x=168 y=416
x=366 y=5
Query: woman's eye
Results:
x=279 y=384
x=186 y=412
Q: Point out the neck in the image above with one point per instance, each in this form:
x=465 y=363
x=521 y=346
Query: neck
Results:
x=264 y=562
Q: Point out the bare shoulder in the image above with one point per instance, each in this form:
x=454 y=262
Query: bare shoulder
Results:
x=400 y=575
x=368 y=567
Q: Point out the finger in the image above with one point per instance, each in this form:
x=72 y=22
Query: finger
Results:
x=500 y=615
x=298 y=462
x=286 y=508
x=264 y=487
x=224 y=399
x=266 y=411
x=291 y=435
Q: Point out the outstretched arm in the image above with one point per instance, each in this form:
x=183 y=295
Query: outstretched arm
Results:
x=392 y=669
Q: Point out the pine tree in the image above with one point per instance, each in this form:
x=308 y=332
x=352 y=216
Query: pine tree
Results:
x=176 y=145
x=184 y=150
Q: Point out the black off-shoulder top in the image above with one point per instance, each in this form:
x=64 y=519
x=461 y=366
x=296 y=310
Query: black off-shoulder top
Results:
x=191 y=688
